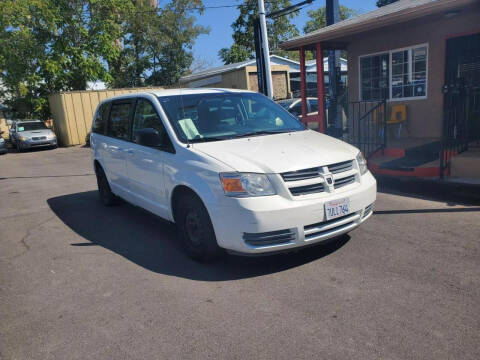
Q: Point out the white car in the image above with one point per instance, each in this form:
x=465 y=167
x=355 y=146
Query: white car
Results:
x=231 y=168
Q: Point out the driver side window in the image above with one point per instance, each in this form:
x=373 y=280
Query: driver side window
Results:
x=146 y=117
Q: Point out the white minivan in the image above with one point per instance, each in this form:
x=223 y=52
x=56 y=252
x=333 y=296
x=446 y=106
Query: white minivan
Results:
x=231 y=168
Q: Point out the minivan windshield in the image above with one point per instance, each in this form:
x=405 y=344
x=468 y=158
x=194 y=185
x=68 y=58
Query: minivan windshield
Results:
x=29 y=126
x=221 y=116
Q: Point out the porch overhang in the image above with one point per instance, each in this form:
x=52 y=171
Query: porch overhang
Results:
x=337 y=36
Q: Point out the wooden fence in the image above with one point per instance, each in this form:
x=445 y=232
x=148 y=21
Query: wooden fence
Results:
x=73 y=111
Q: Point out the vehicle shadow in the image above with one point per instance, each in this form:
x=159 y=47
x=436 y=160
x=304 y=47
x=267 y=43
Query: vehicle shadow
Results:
x=152 y=243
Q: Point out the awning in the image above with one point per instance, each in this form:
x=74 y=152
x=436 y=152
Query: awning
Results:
x=335 y=35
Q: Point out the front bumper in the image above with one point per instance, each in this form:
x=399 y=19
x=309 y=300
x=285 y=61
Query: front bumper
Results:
x=292 y=223
x=28 y=144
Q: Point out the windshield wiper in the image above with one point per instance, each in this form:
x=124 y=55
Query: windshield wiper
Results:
x=236 y=136
x=262 y=132
x=212 y=138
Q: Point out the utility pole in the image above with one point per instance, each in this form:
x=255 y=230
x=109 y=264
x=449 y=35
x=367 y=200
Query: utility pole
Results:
x=262 y=53
x=266 y=52
x=334 y=113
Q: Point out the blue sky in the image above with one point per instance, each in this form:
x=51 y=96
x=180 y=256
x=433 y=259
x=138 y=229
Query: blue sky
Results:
x=219 y=20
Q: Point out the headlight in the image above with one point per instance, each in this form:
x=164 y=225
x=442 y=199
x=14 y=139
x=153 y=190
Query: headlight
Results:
x=51 y=136
x=246 y=184
x=362 y=163
x=23 y=138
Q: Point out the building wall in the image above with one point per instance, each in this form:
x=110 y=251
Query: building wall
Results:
x=233 y=79
x=280 y=80
x=424 y=117
x=73 y=111
x=246 y=78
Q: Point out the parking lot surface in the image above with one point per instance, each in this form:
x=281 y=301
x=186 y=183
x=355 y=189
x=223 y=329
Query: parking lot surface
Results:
x=80 y=281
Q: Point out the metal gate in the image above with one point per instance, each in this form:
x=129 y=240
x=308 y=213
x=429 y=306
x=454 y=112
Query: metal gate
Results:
x=366 y=126
x=461 y=125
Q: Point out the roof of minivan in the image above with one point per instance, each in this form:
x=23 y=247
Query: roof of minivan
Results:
x=173 y=92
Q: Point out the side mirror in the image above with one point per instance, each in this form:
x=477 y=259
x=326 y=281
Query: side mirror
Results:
x=148 y=137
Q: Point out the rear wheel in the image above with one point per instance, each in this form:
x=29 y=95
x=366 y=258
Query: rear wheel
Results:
x=196 y=229
x=107 y=197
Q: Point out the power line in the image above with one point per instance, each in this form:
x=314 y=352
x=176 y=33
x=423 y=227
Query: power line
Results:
x=208 y=7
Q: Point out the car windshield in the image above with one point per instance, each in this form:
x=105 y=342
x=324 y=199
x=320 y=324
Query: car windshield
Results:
x=29 y=126
x=212 y=117
x=285 y=103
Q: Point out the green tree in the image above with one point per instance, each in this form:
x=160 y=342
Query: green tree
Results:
x=279 y=29
x=172 y=57
x=156 y=44
x=381 y=3
x=53 y=45
x=48 y=46
x=318 y=18
x=236 y=53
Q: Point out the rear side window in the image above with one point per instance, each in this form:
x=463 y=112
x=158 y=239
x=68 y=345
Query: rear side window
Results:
x=119 y=120
x=98 y=125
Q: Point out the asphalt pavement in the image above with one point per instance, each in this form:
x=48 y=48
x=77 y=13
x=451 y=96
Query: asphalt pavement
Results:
x=80 y=281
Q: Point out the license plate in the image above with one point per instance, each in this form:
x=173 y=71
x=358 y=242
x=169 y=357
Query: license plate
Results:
x=337 y=208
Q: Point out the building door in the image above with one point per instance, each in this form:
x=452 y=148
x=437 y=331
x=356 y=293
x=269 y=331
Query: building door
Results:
x=461 y=128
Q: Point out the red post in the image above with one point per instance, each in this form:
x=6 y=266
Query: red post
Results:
x=320 y=88
x=303 y=84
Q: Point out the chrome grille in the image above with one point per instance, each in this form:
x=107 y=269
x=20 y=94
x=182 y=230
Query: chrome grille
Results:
x=316 y=172
x=301 y=174
x=311 y=173
x=269 y=238
x=323 y=229
x=39 y=138
x=344 y=181
x=341 y=167
x=307 y=189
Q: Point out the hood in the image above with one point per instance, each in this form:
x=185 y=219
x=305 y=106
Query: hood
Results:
x=42 y=132
x=279 y=152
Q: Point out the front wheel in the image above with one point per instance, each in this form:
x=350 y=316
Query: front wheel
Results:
x=107 y=197
x=196 y=230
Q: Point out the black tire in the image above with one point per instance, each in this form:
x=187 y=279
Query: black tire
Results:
x=107 y=197
x=196 y=229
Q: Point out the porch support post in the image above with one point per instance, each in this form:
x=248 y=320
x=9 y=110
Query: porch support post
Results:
x=303 y=84
x=320 y=88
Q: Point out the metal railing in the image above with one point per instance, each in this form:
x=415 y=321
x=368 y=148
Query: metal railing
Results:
x=458 y=133
x=365 y=126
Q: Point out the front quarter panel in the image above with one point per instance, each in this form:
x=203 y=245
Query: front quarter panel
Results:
x=196 y=171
